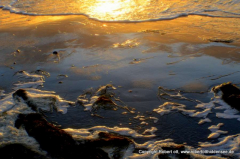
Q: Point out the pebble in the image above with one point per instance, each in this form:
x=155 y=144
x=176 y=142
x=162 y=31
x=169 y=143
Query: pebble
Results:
x=55 y=52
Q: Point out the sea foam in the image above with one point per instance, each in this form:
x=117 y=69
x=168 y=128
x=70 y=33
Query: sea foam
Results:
x=125 y=10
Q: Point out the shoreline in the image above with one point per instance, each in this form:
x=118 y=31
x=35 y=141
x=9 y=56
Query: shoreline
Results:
x=203 y=27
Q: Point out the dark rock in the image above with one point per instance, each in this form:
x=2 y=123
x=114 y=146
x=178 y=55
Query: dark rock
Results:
x=230 y=94
x=52 y=139
x=55 y=52
x=21 y=93
x=41 y=72
x=55 y=141
x=104 y=100
x=17 y=151
x=221 y=40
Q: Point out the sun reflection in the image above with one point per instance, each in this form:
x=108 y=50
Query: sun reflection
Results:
x=110 y=9
x=106 y=6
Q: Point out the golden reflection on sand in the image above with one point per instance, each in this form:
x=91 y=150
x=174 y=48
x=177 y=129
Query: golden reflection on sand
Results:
x=186 y=29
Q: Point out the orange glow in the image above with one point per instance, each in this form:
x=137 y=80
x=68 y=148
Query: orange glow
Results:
x=109 y=8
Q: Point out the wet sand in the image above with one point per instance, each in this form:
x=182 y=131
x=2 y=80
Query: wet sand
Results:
x=137 y=58
x=173 y=53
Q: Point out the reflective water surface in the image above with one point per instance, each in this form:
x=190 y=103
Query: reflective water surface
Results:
x=126 y=10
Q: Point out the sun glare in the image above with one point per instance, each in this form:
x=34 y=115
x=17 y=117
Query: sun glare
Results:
x=106 y=6
x=110 y=9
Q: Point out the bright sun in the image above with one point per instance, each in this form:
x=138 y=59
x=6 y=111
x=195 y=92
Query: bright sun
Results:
x=104 y=6
x=109 y=8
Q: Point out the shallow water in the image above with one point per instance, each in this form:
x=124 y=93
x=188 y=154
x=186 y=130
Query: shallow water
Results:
x=126 y=10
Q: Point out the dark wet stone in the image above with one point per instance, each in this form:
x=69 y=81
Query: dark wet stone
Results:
x=18 y=151
x=221 y=40
x=230 y=94
x=41 y=72
x=52 y=139
x=55 y=141
x=104 y=100
x=55 y=52
x=21 y=93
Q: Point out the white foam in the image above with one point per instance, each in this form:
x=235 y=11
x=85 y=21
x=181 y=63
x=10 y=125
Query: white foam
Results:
x=216 y=134
x=151 y=131
x=122 y=131
x=215 y=127
x=27 y=76
x=167 y=107
x=229 y=143
x=205 y=105
x=202 y=121
x=29 y=80
x=124 y=10
x=6 y=104
x=47 y=101
x=28 y=85
x=9 y=133
x=155 y=120
x=204 y=113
